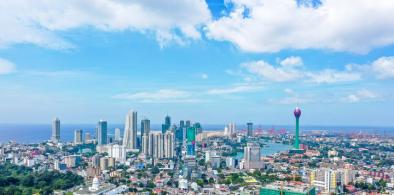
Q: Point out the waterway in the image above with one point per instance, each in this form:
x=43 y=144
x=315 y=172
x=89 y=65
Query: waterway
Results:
x=269 y=149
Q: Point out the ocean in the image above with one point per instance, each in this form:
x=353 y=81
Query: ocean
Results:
x=36 y=133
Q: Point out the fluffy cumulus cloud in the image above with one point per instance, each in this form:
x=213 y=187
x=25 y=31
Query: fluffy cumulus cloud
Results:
x=272 y=73
x=6 y=66
x=292 y=61
x=159 y=96
x=384 y=67
x=361 y=95
x=381 y=68
x=353 y=25
x=291 y=69
x=38 y=22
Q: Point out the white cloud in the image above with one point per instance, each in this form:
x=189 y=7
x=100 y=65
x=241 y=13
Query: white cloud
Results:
x=292 y=69
x=332 y=76
x=381 y=68
x=159 y=96
x=361 y=95
x=38 y=22
x=384 y=67
x=6 y=66
x=292 y=61
x=352 y=25
x=271 y=73
x=234 y=89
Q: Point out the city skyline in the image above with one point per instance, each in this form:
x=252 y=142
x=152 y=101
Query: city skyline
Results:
x=232 y=97
x=205 y=60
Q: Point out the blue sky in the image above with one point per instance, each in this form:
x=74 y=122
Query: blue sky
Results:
x=212 y=62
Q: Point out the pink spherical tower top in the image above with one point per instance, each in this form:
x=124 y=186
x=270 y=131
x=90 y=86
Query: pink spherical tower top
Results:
x=297 y=112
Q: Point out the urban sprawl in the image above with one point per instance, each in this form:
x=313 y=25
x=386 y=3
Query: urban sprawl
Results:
x=182 y=158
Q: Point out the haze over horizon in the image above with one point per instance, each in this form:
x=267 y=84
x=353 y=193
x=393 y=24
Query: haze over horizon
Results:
x=208 y=61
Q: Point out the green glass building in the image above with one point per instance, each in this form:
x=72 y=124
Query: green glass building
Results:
x=191 y=141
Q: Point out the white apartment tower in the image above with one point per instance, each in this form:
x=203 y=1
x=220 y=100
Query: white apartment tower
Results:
x=169 y=147
x=145 y=144
x=252 y=158
x=117 y=135
x=157 y=145
x=130 y=131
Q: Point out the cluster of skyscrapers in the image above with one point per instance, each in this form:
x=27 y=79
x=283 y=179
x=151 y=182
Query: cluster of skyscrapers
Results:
x=153 y=144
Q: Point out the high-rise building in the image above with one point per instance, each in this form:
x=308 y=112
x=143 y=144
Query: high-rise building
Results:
x=101 y=135
x=252 y=156
x=118 y=152
x=145 y=127
x=324 y=179
x=188 y=123
x=145 y=144
x=179 y=134
x=78 y=136
x=118 y=137
x=348 y=176
x=198 y=128
x=157 y=145
x=88 y=138
x=169 y=145
x=181 y=123
x=250 y=129
x=167 y=120
x=104 y=163
x=150 y=144
x=167 y=124
x=191 y=141
x=230 y=129
x=72 y=160
x=297 y=114
x=130 y=130
x=55 y=130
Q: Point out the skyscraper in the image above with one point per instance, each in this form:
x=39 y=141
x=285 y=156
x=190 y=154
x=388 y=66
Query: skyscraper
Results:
x=117 y=135
x=191 y=141
x=55 y=130
x=198 y=128
x=118 y=152
x=78 y=136
x=130 y=130
x=101 y=135
x=157 y=144
x=181 y=123
x=250 y=129
x=145 y=144
x=169 y=145
x=150 y=143
x=297 y=114
x=230 y=129
x=188 y=124
x=88 y=139
x=145 y=126
x=252 y=158
x=166 y=125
